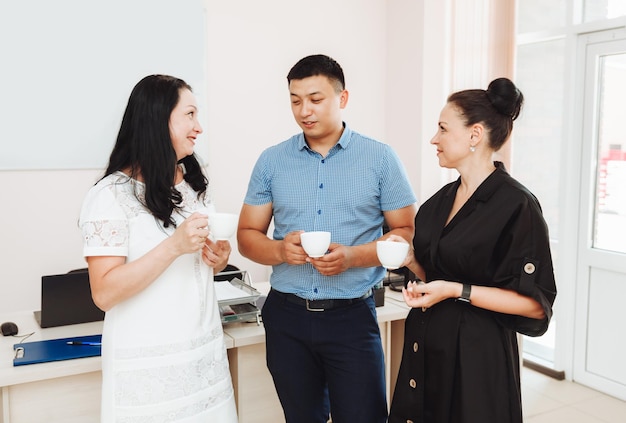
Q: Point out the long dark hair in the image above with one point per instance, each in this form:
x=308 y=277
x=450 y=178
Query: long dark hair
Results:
x=144 y=146
x=496 y=108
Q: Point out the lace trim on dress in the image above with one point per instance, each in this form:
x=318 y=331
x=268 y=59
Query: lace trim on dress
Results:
x=190 y=203
x=105 y=233
x=130 y=194
x=190 y=197
x=181 y=413
x=168 y=349
x=200 y=284
x=157 y=385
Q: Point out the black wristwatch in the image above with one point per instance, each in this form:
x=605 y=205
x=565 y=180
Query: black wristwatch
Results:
x=465 y=293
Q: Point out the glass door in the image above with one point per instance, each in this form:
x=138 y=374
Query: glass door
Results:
x=609 y=214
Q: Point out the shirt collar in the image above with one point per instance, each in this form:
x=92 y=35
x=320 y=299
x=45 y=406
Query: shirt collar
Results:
x=343 y=142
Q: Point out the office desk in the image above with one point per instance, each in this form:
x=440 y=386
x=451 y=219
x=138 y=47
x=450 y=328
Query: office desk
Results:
x=62 y=391
x=69 y=391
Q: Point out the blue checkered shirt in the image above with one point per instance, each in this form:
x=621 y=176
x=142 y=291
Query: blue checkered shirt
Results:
x=345 y=193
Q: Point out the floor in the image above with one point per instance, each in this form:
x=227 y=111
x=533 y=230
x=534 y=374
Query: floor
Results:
x=547 y=400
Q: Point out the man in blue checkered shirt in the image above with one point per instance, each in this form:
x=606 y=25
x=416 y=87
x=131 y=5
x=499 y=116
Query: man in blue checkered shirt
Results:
x=322 y=336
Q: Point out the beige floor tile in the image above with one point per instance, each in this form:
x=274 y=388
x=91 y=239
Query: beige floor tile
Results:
x=534 y=403
x=561 y=390
x=547 y=400
x=568 y=392
x=563 y=415
x=605 y=408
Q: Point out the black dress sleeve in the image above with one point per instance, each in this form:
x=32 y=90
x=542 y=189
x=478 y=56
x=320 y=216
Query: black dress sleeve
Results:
x=526 y=264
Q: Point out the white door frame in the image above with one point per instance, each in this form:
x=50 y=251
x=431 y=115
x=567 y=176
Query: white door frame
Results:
x=591 y=261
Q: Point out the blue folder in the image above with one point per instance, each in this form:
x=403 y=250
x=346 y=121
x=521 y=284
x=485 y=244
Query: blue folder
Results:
x=55 y=350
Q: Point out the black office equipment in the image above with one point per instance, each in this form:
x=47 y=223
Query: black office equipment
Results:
x=9 y=329
x=66 y=300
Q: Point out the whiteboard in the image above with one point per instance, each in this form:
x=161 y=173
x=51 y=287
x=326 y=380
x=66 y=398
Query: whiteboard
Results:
x=68 y=66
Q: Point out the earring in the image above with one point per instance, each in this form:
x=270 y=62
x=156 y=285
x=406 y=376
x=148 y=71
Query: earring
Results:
x=472 y=148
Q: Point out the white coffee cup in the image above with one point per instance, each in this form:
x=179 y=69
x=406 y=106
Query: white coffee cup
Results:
x=206 y=210
x=223 y=225
x=315 y=243
x=391 y=254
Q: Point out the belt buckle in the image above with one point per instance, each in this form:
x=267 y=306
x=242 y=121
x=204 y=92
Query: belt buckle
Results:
x=312 y=309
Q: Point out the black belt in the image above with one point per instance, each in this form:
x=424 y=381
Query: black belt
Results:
x=320 y=305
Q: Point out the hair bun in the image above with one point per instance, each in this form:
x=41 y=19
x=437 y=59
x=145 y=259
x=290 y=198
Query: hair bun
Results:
x=505 y=97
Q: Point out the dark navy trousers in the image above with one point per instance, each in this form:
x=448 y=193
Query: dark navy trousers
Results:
x=326 y=362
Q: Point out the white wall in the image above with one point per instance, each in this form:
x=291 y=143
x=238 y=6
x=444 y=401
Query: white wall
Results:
x=251 y=47
x=40 y=234
x=418 y=82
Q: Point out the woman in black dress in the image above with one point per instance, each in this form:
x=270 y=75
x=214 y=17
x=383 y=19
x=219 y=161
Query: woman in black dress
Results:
x=482 y=247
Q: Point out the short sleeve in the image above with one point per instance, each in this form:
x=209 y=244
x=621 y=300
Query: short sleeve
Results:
x=103 y=223
x=396 y=191
x=259 y=188
x=527 y=267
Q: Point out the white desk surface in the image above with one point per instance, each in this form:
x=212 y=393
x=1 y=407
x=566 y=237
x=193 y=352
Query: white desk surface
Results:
x=26 y=324
x=236 y=335
x=396 y=298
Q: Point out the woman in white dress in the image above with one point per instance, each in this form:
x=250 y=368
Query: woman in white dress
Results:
x=151 y=263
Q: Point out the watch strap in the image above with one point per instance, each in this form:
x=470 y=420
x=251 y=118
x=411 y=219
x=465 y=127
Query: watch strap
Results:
x=465 y=293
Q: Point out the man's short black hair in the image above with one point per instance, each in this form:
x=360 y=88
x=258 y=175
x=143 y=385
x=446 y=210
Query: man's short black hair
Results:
x=318 y=64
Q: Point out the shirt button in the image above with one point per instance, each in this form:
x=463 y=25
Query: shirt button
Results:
x=415 y=347
x=529 y=268
x=412 y=383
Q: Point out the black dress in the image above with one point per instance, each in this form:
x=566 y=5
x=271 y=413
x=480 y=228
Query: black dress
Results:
x=460 y=363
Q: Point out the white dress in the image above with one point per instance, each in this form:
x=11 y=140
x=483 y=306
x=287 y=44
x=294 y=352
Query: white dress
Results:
x=163 y=353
